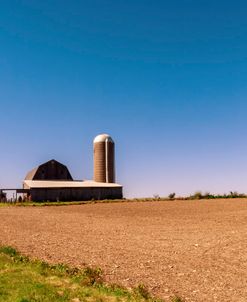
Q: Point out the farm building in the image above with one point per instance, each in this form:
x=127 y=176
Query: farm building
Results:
x=52 y=180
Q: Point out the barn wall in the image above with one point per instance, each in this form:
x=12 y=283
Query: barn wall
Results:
x=75 y=194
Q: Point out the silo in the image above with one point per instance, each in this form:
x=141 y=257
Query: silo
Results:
x=104 y=161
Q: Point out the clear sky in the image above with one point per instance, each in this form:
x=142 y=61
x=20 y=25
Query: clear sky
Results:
x=166 y=79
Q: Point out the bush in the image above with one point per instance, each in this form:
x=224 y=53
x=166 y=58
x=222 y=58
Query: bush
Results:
x=156 y=197
x=172 y=195
x=197 y=195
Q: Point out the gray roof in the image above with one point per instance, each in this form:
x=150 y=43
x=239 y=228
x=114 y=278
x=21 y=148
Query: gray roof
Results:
x=30 y=174
x=28 y=184
x=47 y=171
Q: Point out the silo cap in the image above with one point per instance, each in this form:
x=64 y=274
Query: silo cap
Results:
x=102 y=138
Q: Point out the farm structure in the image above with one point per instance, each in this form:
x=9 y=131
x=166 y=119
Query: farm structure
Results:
x=52 y=181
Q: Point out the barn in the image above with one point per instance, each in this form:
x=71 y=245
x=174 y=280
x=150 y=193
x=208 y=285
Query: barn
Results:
x=52 y=181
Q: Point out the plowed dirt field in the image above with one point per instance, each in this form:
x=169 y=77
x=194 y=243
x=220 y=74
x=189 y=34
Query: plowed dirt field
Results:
x=194 y=249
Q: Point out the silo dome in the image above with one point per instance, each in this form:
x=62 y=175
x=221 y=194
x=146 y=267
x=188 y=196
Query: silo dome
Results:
x=102 y=138
x=104 y=159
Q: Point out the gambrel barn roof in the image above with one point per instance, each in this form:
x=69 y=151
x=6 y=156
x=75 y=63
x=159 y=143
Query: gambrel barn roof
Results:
x=51 y=170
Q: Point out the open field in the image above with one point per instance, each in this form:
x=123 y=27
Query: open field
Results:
x=194 y=249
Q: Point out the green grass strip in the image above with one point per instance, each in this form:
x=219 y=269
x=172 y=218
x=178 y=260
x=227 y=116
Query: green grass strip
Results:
x=25 y=280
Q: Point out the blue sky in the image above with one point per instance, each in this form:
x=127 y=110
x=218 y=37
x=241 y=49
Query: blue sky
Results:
x=167 y=79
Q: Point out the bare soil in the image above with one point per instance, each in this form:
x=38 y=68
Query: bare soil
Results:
x=194 y=249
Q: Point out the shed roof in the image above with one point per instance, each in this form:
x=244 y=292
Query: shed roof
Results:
x=67 y=184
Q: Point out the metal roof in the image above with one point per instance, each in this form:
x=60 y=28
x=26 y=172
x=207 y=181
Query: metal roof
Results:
x=102 y=138
x=30 y=174
x=67 y=184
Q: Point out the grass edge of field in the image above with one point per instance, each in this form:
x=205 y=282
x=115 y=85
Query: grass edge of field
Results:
x=67 y=203
x=26 y=280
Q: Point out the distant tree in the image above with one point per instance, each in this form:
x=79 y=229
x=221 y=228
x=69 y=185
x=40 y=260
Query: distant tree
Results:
x=172 y=195
x=197 y=195
x=207 y=195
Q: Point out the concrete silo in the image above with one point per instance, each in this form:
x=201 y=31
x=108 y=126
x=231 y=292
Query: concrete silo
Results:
x=104 y=159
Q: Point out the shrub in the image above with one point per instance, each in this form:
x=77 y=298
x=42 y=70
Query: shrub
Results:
x=197 y=195
x=156 y=197
x=172 y=195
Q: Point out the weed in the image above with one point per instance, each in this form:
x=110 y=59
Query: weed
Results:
x=16 y=256
x=142 y=291
x=176 y=299
x=92 y=276
x=8 y=250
